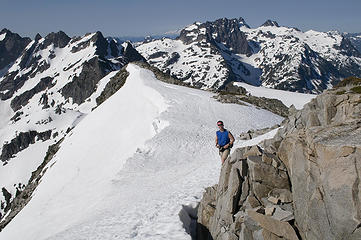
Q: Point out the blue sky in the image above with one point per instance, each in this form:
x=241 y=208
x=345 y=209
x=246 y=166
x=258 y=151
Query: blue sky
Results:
x=141 y=17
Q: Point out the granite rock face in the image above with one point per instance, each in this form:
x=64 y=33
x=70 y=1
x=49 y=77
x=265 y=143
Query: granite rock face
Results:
x=324 y=165
x=302 y=184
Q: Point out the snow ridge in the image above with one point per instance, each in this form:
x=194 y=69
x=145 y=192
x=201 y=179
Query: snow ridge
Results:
x=58 y=80
x=129 y=176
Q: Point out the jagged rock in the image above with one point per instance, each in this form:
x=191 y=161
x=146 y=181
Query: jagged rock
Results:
x=281 y=229
x=233 y=89
x=22 y=141
x=306 y=179
x=22 y=99
x=243 y=181
x=113 y=85
x=225 y=31
x=59 y=39
x=270 y=23
x=325 y=160
x=11 y=47
x=253 y=151
x=114 y=51
x=282 y=215
x=131 y=54
x=265 y=177
x=254 y=133
x=269 y=210
x=85 y=84
x=101 y=43
x=348 y=48
x=283 y=195
x=37 y=37
x=272 y=105
x=21 y=199
x=267 y=235
x=273 y=200
x=7 y=196
x=164 y=77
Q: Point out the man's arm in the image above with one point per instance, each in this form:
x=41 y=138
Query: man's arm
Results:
x=231 y=138
x=217 y=142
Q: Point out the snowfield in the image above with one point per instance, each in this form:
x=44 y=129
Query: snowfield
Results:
x=126 y=170
x=286 y=97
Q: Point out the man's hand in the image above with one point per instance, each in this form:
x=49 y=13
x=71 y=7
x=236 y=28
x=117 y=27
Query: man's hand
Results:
x=217 y=145
x=226 y=146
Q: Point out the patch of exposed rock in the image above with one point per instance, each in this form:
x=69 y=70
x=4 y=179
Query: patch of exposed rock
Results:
x=22 y=141
x=302 y=184
x=113 y=85
x=11 y=47
x=22 y=198
x=82 y=86
x=252 y=133
x=161 y=76
x=238 y=95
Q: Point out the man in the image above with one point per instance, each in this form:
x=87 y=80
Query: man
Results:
x=224 y=141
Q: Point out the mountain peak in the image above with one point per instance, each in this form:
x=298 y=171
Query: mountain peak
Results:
x=37 y=37
x=4 y=30
x=130 y=53
x=101 y=44
x=59 y=39
x=270 y=23
x=242 y=22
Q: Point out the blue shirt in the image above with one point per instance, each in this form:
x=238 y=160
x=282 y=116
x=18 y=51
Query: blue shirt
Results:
x=223 y=138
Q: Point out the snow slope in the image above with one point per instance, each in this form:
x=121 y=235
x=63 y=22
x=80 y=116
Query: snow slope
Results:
x=47 y=106
x=127 y=168
x=286 y=97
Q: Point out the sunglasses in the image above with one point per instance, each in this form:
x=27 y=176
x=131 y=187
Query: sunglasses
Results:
x=220 y=124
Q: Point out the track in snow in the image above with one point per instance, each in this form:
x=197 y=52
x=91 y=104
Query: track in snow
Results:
x=135 y=189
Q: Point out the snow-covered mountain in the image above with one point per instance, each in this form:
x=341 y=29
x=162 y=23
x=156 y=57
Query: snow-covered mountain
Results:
x=355 y=39
x=212 y=54
x=47 y=86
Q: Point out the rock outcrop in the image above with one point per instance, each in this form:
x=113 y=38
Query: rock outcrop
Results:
x=11 y=47
x=239 y=95
x=22 y=141
x=302 y=184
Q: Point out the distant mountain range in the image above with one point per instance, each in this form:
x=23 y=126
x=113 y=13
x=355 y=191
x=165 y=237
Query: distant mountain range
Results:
x=212 y=54
x=355 y=39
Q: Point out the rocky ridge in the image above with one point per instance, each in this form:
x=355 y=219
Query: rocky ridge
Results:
x=239 y=95
x=355 y=39
x=302 y=184
x=47 y=86
x=11 y=46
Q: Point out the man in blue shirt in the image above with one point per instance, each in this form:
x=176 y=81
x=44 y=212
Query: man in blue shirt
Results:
x=224 y=141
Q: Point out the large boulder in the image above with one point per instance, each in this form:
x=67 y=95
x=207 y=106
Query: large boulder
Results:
x=321 y=148
x=302 y=184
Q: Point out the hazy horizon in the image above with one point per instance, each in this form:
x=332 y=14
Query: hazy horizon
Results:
x=141 y=18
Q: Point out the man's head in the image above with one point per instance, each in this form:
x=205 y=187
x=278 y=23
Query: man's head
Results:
x=220 y=125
